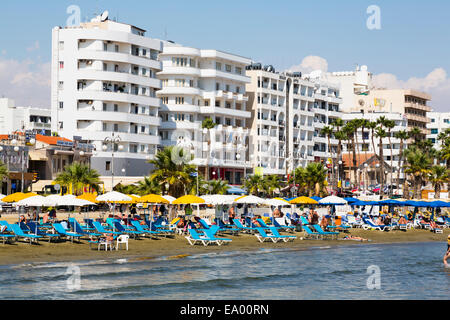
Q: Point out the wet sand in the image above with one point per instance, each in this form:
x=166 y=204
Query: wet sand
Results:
x=146 y=248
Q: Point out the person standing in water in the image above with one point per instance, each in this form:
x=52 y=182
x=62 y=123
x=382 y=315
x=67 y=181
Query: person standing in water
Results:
x=447 y=254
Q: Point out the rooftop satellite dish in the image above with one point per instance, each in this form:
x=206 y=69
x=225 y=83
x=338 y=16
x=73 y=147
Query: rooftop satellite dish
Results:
x=105 y=16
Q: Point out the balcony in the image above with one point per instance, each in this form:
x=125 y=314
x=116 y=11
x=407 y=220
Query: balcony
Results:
x=418 y=106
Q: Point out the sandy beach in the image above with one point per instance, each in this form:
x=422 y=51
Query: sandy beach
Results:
x=146 y=248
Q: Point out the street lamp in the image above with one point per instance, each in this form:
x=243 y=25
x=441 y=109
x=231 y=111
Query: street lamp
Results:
x=112 y=141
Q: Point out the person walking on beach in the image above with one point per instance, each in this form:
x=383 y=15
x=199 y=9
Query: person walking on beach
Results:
x=231 y=215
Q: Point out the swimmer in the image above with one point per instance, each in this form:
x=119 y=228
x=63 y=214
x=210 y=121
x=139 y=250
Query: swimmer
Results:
x=350 y=237
x=447 y=255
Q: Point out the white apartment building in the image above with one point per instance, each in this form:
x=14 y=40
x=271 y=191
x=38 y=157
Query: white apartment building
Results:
x=288 y=113
x=439 y=122
x=198 y=84
x=14 y=118
x=104 y=85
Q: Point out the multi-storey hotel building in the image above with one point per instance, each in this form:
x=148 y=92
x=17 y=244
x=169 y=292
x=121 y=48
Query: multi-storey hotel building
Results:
x=198 y=84
x=104 y=86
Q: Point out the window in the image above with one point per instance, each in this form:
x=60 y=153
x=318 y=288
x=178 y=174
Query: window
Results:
x=61 y=45
x=61 y=64
x=143 y=110
x=108 y=166
x=446 y=120
x=165 y=83
x=191 y=83
x=116 y=108
x=144 y=71
x=238 y=89
x=105 y=46
x=116 y=127
x=218 y=66
x=144 y=52
x=144 y=91
x=61 y=105
x=142 y=147
x=238 y=70
x=227 y=87
x=116 y=48
x=142 y=129
x=434 y=131
x=105 y=67
x=105 y=127
x=179 y=62
x=105 y=107
x=192 y=63
x=217 y=86
x=165 y=100
x=179 y=82
x=227 y=68
x=179 y=100
x=206 y=103
x=61 y=125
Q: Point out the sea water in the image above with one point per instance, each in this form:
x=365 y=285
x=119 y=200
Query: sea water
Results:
x=367 y=271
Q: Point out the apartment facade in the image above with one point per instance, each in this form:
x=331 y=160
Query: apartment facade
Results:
x=198 y=84
x=13 y=118
x=439 y=122
x=288 y=113
x=104 y=87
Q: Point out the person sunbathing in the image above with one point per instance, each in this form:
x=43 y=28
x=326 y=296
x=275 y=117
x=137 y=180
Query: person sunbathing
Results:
x=402 y=220
x=350 y=237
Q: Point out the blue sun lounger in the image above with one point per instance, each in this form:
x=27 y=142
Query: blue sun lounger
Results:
x=34 y=228
x=19 y=233
x=285 y=238
x=310 y=233
x=98 y=226
x=240 y=226
x=263 y=236
x=79 y=229
x=6 y=237
x=118 y=226
x=325 y=233
x=211 y=234
x=279 y=226
x=194 y=237
x=142 y=230
x=160 y=229
x=64 y=233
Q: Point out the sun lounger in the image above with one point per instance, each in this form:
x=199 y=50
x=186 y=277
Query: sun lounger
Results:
x=282 y=227
x=142 y=230
x=194 y=237
x=64 y=233
x=7 y=225
x=34 y=228
x=161 y=230
x=6 y=237
x=226 y=227
x=368 y=224
x=79 y=229
x=119 y=227
x=100 y=229
x=262 y=236
x=240 y=226
x=19 y=233
x=285 y=238
x=310 y=233
x=319 y=230
x=210 y=233
x=303 y=220
x=263 y=224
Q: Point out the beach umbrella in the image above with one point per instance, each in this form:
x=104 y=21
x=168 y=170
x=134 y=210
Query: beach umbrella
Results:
x=303 y=200
x=113 y=197
x=1 y=196
x=169 y=198
x=249 y=200
x=316 y=198
x=91 y=197
x=153 y=198
x=15 y=197
x=219 y=199
x=53 y=200
x=333 y=200
x=189 y=199
x=276 y=202
x=36 y=201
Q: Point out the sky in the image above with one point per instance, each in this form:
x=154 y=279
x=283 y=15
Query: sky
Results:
x=409 y=49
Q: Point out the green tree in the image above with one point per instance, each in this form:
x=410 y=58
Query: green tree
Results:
x=78 y=176
x=173 y=171
x=270 y=184
x=254 y=184
x=148 y=186
x=208 y=124
x=402 y=135
x=218 y=186
x=380 y=133
x=418 y=166
x=315 y=176
x=3 y=171
x=438 y=176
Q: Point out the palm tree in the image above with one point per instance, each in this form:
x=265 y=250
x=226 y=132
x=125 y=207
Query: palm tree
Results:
x=328 y=132
x=402 y=136
x=171 y=177
x=218 y=186
x=208 y=124
x=315 y=175
x=340 y=135
x=372 y=125
x=418 y=166
x=415 y=134
x=254 y=184
x=271 y=183
x=438 y=176
x=349 y=128
x=3 y=171
x=381 y=133
x=148 y=186
x=79 y=176
x=126 y=189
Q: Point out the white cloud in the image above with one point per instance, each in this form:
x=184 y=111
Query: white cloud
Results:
x=436 y=83
x=27 y=82
x=34 y=47
x=310 y=63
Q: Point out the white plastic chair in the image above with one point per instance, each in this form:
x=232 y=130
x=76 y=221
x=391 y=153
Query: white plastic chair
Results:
x=122 y=239
x=106 y=243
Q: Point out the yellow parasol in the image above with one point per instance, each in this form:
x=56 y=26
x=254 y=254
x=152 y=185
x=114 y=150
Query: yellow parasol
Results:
x=153 y=198
x=303 y=200
x=89 y=197
x=15 y=197
x=189 y=199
